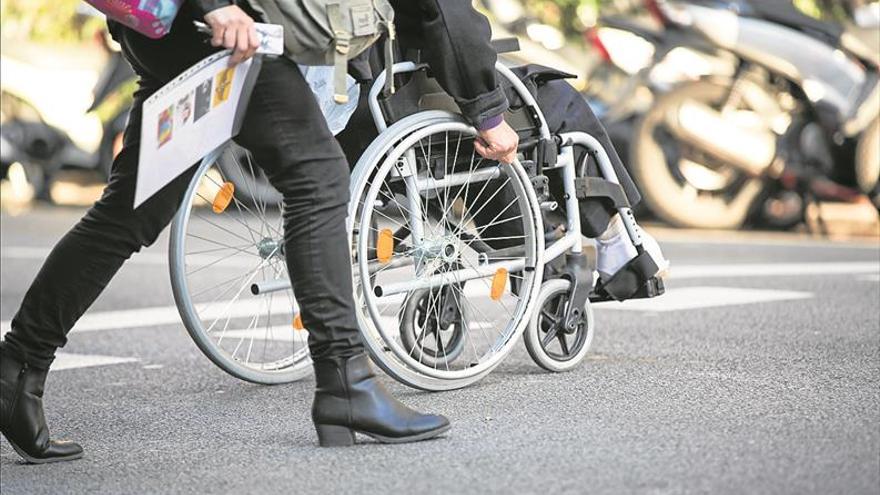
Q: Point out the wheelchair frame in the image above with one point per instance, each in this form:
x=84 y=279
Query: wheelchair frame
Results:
x=566 y=163
x=565 y=142
x=389 y=136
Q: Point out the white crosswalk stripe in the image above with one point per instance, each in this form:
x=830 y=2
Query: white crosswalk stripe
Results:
x=68 y=361
x=771 y=269
x=164 y=315
x=688 y=298
x=677 y=299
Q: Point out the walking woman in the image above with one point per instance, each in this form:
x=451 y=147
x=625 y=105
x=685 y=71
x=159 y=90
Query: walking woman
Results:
x=287 y=134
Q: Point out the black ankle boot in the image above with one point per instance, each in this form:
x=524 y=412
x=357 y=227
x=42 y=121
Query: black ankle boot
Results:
x=21 y=414
x=349 y=399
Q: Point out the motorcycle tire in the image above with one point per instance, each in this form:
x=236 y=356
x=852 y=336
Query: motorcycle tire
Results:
x=656 y=168
x=868 y=162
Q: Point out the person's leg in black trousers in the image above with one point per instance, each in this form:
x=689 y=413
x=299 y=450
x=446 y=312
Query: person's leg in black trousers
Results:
x=289 y=138
x=308 y=168
x=71 y=278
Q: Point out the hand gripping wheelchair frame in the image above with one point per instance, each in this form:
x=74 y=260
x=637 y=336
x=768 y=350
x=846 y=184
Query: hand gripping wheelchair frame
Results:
x=450 y=259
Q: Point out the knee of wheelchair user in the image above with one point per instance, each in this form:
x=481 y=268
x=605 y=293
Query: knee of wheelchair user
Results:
x=595 y=216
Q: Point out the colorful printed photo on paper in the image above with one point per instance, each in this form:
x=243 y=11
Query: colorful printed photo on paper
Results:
x=184 y=109
x=203 y=100
x=166 y=124
x=223 y=85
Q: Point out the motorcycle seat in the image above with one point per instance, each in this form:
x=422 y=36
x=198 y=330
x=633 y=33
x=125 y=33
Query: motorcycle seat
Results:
x=783 y=12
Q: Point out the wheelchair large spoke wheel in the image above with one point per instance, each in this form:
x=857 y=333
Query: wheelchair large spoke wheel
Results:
x=447 y=258
x=230 y=279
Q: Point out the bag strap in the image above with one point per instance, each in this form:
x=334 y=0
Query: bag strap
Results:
x=389 y=60
x=341 y=45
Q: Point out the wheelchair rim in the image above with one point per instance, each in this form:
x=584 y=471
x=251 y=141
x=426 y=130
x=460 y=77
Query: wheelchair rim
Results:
x=519 y=318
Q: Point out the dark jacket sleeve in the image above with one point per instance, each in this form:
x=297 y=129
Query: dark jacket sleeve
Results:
x=455 y=42
x=202 y=7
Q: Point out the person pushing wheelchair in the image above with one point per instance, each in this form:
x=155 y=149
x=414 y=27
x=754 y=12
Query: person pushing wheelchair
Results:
x=286 y=133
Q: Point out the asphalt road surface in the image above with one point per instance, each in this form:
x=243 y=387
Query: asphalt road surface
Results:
x=758 y=372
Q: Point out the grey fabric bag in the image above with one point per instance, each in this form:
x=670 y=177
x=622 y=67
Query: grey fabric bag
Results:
x=330 y=32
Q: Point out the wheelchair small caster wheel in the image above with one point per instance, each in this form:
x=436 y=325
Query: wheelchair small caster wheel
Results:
x=432 y=329
x=551 y=345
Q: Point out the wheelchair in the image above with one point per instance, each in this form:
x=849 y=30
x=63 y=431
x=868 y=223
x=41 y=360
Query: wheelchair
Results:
x=451 y=260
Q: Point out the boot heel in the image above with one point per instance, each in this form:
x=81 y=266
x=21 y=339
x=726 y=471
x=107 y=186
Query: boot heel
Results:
x=334 y=436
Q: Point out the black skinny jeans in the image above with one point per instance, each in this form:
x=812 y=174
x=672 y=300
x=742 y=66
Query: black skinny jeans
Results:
x=289 y=139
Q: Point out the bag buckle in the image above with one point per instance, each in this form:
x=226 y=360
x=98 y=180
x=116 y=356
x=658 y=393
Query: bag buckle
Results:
x=343 y=42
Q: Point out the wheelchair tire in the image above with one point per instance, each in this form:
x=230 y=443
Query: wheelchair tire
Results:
x=539 y=340
x=377 y=188
x=235 y=246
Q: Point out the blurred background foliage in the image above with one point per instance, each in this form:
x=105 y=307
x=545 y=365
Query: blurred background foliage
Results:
x=56 y=20
x=46 y=21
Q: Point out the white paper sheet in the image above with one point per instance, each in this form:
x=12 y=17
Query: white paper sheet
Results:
x=186 y=119
x=194 y=114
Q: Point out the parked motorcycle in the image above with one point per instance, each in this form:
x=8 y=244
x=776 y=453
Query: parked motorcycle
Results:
x=643 y=55
x=44 y=139
x=796 y=123
x=28 y=141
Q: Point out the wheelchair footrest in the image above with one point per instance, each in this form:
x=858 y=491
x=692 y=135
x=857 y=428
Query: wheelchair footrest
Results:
x=653 y=287
x=636 y=280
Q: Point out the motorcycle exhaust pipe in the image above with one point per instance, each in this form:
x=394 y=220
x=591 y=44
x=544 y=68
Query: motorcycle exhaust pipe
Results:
x=749 y=150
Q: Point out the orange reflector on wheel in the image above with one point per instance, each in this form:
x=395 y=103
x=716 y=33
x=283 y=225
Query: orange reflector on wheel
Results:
x=223 y=197
x=499 y=282
x=298 y=322
x=385 y=245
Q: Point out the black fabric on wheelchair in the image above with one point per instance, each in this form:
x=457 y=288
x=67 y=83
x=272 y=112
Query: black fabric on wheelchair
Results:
x=566 y=110
x=635 y=280
x=600 y=189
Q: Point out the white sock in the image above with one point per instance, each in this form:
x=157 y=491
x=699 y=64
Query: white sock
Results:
x=613 y=248
x=615 y=228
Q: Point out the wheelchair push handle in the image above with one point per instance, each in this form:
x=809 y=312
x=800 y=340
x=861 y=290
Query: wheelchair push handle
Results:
x=505 y=45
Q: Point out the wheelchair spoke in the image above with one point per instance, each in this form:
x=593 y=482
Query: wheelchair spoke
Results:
x=239 y=249
x=465 y=218
x=260 y=217
x=551 y=334
x=224 y=229
x=209 y=265
x=245 y=334
x=456 y=327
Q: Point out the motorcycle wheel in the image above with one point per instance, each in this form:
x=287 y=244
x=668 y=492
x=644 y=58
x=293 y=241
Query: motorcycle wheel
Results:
x=679 y=184
x=868 y=162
